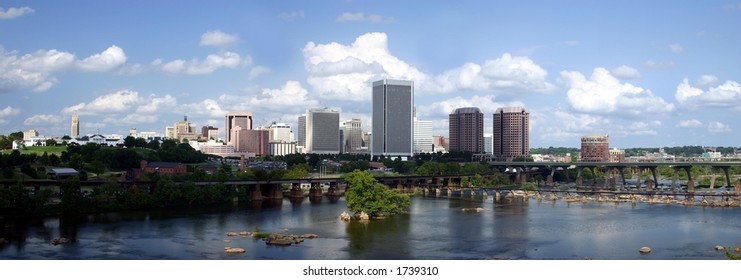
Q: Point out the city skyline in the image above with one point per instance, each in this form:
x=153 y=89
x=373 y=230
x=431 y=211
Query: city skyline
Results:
x=639 y=72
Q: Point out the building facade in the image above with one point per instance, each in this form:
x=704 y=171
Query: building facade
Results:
x=322 y=131
x=352 y=141
x=466 y=130
x=209 y=132
x=75 y=129
x=488 y=137
x=440 y=144
x=617 y=155
x=182 y=130
x=282 y=148
x=280 y=132
x=511 y=133
x=234 y=119
x=302 y=131
x=393 y=124
x=422 y=136
x=595 y=148
x=250 y=141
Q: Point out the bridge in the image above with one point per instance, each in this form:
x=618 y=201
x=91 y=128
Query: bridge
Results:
x=523 y=167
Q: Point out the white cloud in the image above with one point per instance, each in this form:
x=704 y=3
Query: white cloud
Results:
x=218 y=38
x=505 y=73
x=207 y=107
x=139 y=118
x=9 y=111
x=643 y=128
x=12 y=13
x=42 y=119
x=651 y=64
x=626 y=72
x=123 y=102
x=293 y=15
x=602 y=93
x=563 y=126
x=196 y=67
x=345 y=72
x=727 y=94
x=691 y=123
x=258 y=71
x=718 y=127
x=290 y=98
x=154 y=104
x=374 y=18
x=676 y=48
x=110 y=59
x=707 y=81
x=441 y=109
x=31 y=70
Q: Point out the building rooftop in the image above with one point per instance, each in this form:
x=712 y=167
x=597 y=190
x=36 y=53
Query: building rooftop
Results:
x=467 y=110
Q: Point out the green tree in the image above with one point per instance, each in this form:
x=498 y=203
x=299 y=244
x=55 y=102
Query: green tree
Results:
x=365 y=194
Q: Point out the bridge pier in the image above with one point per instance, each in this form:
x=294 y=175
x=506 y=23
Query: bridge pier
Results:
x=315 y=190
x=255 y=193
x=334 y=189
x=296 y=191
x=725 y=171
x=274 y=191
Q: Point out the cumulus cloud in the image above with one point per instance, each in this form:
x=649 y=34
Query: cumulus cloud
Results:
x=9 y=111
x=727 y=95
x=345 y=72
x=42 y=119
x=123 y=102
x=207 y=107
x=374 y=18
x=718 y=127
x=289 y=98
x=196 y=67
x=626 y=72
x=707 y=81
x=293 y=15
x=691 y=123
x=564 y=126
x=258 y=71
x=154 y=104
x=32 y=70
x=218 y=38
x=602 y=93
x=504 y=73
x=12 y=13
x=110 y=59
x=441 y=109
x=643 y=128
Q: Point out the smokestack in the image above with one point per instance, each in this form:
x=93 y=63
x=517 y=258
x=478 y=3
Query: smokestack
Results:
x=241 y=163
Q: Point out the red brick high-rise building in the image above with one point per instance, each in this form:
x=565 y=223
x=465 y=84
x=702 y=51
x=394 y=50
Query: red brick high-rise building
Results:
x=511 y=133
x=466 y=130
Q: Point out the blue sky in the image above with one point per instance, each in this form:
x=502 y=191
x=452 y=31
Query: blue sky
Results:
x=647 y=73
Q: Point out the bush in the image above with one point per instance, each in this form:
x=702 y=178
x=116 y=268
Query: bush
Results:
x=364 y=194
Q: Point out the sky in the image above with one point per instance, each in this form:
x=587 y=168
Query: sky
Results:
x=646 y=73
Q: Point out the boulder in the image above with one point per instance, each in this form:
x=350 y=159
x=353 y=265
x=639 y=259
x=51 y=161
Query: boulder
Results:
x=59 y=241
x=231 y=233
x=363 y=216
x=310 y=235
x=233 y=250
x=719 y=248
x=645 y=250
x=345 y=217
x=244 y=233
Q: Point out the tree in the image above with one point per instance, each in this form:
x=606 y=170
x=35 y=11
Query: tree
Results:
x=364 y=194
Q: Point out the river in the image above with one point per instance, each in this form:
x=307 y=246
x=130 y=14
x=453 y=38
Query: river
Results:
x=434 y=229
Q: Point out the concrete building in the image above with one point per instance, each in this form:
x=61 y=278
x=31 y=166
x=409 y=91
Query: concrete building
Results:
x=209 y=132
x=352 y=140
x=302 y=131
x=322 y=131
x=595 y=148
x=250 y=141
x=422 y=136
x=440 y=144
x=182 y=130
x=75 y=129
x=511 y=133
x=29 y=134
x=488 y=137
x=281 y=148
x=280 y=132
x=393 y=123
x=234 y=119
x=466 y=130
x=617 y=155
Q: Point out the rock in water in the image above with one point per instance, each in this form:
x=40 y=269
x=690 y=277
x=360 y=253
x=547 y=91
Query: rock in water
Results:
x=233 y=250
x=719 y=248
x=344 y=216
x=645 y=250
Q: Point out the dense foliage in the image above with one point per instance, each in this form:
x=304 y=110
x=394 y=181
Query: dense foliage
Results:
x=364 y=194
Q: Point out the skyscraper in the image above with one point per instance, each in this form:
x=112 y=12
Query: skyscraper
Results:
x=353 y=140
x=302 y=131
x=281 y=132
x=422 y=136
x=511 y=134
x=392 y=108
x=75 y=126
x=323 y=131
x=234 y=119
x=466 y=129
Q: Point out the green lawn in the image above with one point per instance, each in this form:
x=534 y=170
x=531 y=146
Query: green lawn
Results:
x=39 y=150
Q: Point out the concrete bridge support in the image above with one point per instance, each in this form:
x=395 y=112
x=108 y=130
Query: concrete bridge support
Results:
x=274 y=191
x=334 y=189
x=296 y=191
x=315 y=190
x=725 y=172
x=549 y=179
x=255 y=193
